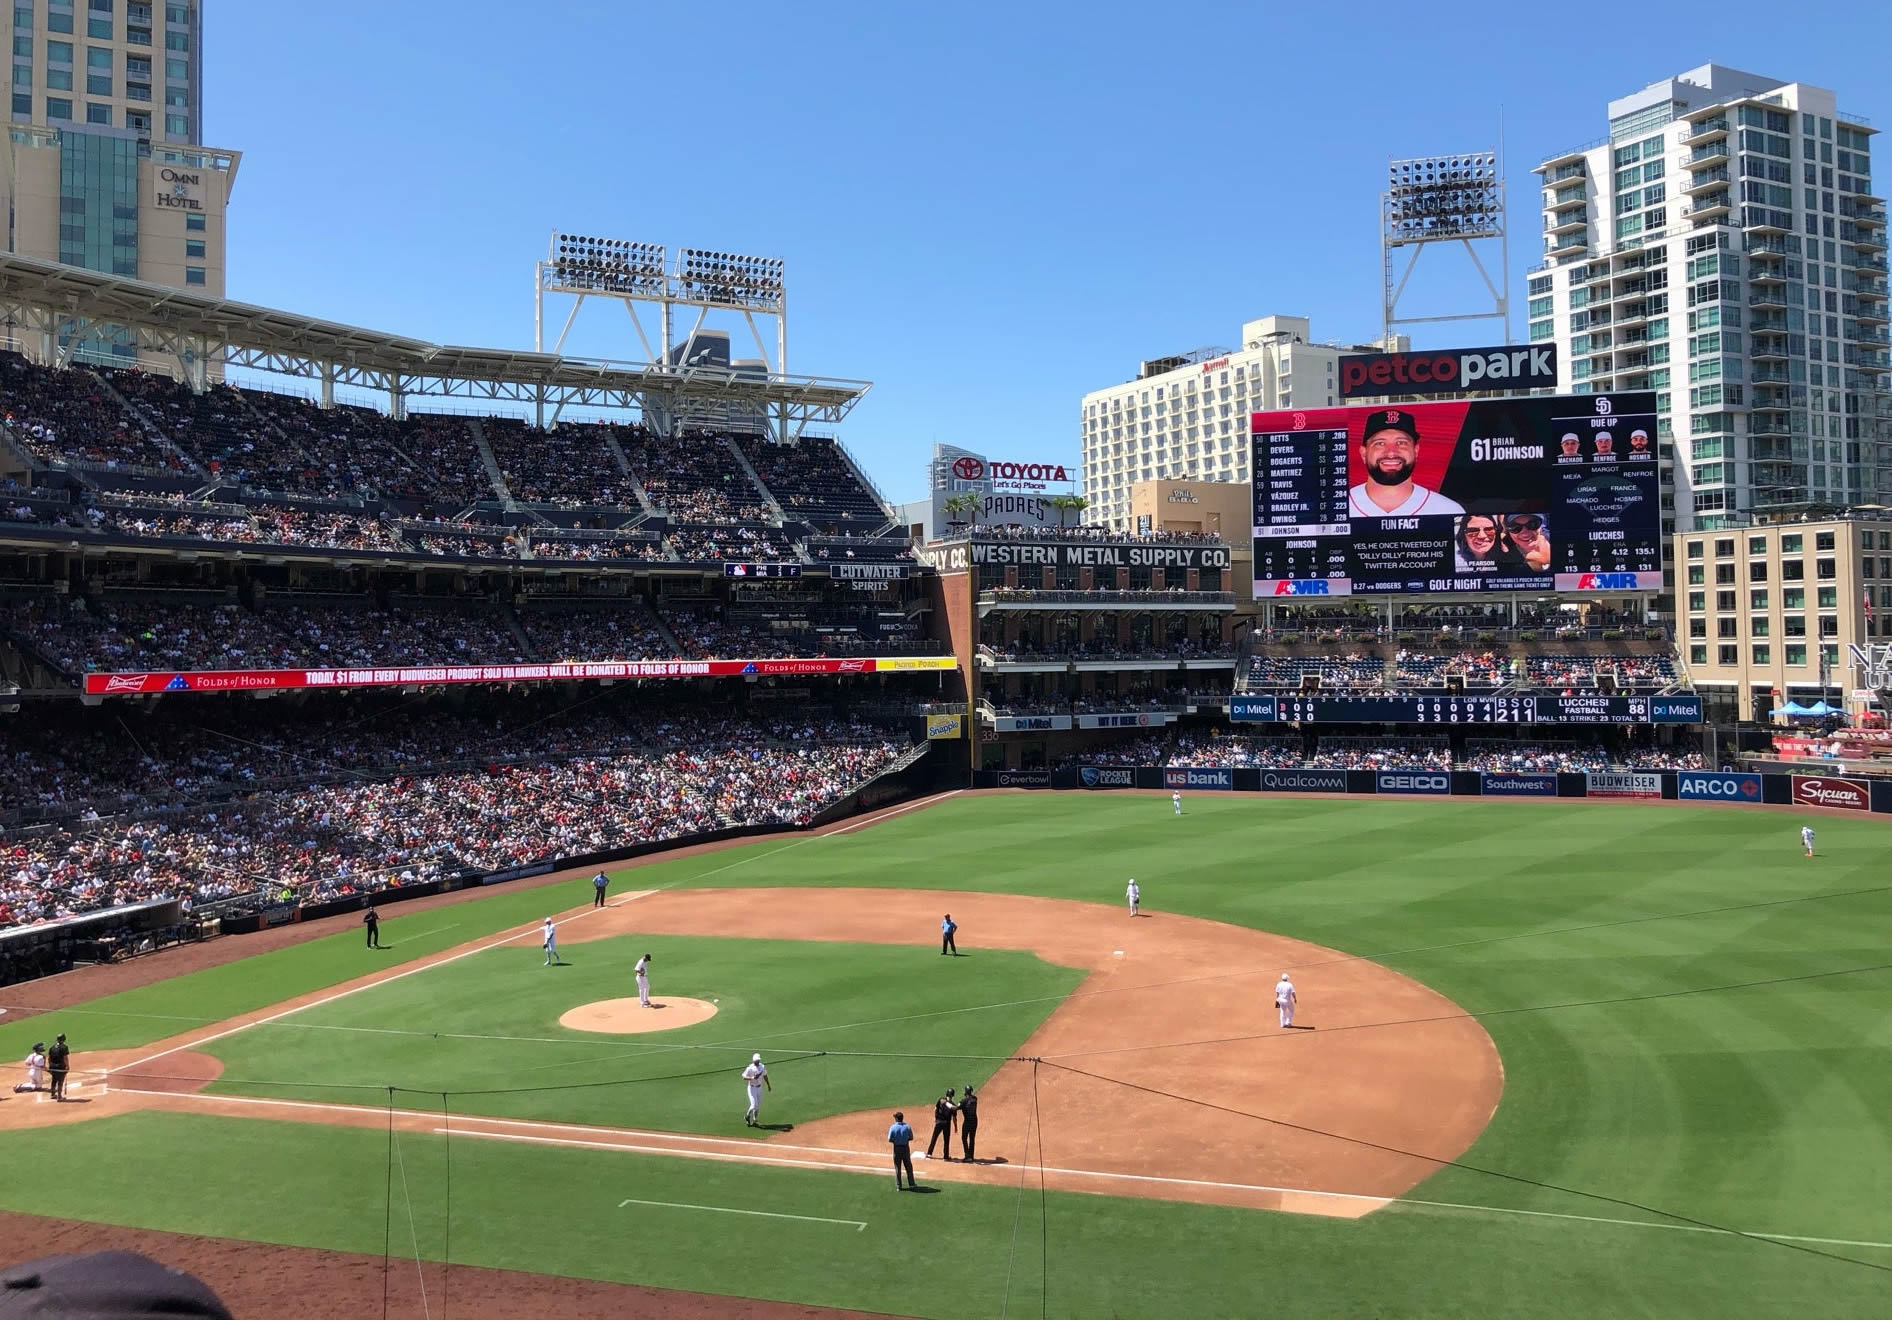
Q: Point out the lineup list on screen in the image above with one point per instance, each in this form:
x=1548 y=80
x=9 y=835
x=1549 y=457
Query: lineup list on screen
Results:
x=1301 y=504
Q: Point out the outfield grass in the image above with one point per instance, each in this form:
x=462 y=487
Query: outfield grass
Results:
x=491 y=1021
x=1601 y=945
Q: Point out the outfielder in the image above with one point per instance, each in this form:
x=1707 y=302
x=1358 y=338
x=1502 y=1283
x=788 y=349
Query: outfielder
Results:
x=756 y=1078
x=1135 y=896
x=35 y=1070
x=549 y=934
x=1175 y=800
x=1806 y=839
x=1284 y=999
x=643 y=982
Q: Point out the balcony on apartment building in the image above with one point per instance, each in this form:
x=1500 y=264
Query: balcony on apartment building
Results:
x=1702 y=130
x=1706 y=208
x=1702 y=180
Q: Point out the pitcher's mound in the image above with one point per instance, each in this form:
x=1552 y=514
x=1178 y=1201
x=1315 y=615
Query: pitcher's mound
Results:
x=626 y=1017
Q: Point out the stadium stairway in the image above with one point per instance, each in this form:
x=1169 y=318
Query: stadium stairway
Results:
x=141 y=417
x=742 y=461
x=494 y=473
x=624 y=469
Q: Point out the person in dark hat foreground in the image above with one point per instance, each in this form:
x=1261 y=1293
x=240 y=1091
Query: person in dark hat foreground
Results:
x=969 y=1123
x=105 y=1285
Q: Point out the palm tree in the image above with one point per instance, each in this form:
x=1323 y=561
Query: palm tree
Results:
x=1070 y=504
x=967 y=503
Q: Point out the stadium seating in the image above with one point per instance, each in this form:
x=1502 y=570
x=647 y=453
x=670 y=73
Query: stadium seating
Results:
x=603 y=779
x=693 y=478
x=813 y=482
x=570 y=465
x=70 y=416
x=1353 y=672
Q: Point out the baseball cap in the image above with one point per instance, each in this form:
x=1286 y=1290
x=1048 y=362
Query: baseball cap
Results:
x=1572 y=438
x=756 y=1059
x=1391 y=419
x=104 y=1285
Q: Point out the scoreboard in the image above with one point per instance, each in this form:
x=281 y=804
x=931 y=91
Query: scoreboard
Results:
x=1443 y=709
x=1530 y=494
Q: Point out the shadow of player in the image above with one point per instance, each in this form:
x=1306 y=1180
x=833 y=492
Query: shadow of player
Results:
x=776 y=1127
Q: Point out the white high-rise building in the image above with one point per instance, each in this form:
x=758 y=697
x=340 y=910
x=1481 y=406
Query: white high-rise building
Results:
x=1725 y=248
x=1186 y=417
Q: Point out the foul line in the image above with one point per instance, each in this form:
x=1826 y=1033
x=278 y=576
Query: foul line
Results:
x=1378 y=1202
x=889 y=815
x=856 y=1224
x=355 y=990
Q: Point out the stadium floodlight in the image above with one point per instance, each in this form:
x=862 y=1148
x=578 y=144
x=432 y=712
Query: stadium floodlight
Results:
x=729 y=279
x=1434 y=197
x=1456 y=198
x=587 y=263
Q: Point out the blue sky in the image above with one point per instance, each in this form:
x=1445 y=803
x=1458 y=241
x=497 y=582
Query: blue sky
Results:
x=986 y=210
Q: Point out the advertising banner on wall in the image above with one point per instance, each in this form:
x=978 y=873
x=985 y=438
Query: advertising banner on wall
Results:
x=1842 y=794
x=1107 y=776
x=1031 y=723
x=1533 y=494
x=1632 y=784
x=1711 y=786
x=1024 y=779
x=1492 y=784
x=1413 y=781
x=945 y=726
x=1141 y=719
x=1193 y=777
x=262 y=680
x=1304 y=781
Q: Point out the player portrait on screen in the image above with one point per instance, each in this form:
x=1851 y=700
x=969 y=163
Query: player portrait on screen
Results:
x=1389 y=454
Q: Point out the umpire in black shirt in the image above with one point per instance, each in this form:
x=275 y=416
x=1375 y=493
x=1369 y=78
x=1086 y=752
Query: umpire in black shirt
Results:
x=59 y=1060
x=969 y=1123
x=943 y=1111
x=372 y=920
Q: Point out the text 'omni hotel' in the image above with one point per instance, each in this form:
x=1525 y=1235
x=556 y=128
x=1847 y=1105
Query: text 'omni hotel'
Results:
x=105 y=166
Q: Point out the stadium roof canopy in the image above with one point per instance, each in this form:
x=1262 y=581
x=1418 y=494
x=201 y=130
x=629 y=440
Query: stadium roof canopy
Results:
x=66 y=305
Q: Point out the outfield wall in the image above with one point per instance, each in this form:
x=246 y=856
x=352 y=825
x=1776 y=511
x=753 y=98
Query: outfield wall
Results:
x=1823 y=792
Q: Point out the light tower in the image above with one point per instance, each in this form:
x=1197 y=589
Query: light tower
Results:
x=1445 y=199
x=585 y=266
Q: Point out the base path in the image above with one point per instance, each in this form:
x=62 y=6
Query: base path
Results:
x=1164 y=1075
x=1174 y=1007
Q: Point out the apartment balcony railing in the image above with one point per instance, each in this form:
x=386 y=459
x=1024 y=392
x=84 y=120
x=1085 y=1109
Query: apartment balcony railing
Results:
x=1702 y=130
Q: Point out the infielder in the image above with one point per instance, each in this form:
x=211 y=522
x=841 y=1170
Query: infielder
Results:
x=1135 y=896
x=35 y=1070
x=1175 y=800
x=643 y=982
x=1284 y=999
x=1806 y=839
x=549 y=933
x=756 y=1078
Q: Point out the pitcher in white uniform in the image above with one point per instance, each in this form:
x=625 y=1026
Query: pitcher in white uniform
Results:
x=643 y=981
x=756 y=1079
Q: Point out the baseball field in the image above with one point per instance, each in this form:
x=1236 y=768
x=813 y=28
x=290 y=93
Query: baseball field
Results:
x=1550 y=1059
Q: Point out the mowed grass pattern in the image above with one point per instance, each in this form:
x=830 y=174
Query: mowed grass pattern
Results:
x=1615 y=953
x=838 y=1023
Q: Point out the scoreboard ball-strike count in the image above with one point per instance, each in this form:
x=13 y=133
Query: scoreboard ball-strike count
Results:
x=1531 y=494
